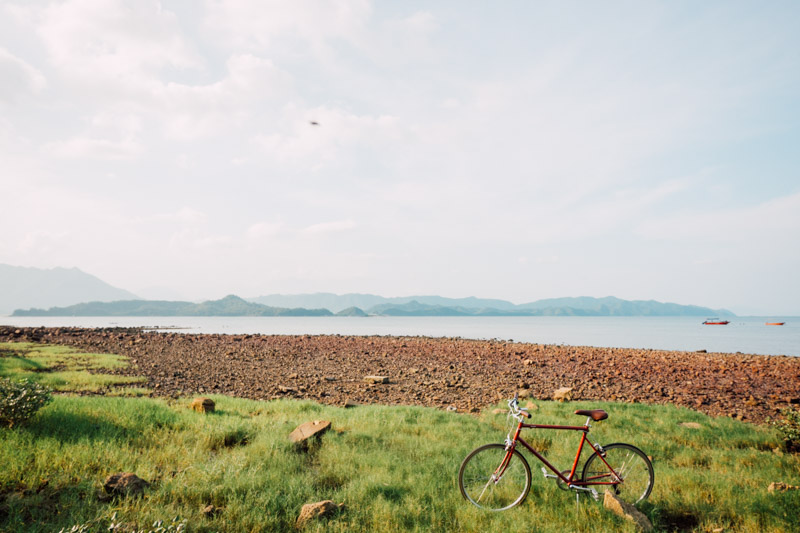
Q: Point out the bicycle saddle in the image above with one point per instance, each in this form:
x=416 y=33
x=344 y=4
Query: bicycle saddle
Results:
x=595 y=414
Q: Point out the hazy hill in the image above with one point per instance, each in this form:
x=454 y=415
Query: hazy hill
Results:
x=337 y=302
x=611 y=306
x=228 y=306
x=24 y=287
x=440 y=306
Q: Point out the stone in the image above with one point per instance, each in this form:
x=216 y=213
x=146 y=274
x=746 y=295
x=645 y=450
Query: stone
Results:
x=125 y=484
x=211 y=510
x=303 y=432
x=563 y=394
x=349 y=404
x=690 y=425
x=376 y=379
x=779 y=486
x=203 y=405
x=626 y=510
x=312 y=511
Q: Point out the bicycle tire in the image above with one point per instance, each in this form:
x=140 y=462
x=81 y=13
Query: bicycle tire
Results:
x=630 y=463
x=475 y=478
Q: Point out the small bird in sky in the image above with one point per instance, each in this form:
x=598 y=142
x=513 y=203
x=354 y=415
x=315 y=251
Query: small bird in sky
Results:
x=314 y=123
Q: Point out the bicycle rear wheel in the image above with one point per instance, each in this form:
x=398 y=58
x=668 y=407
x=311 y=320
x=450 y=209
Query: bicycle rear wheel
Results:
x=630 y=463
x=494 y=480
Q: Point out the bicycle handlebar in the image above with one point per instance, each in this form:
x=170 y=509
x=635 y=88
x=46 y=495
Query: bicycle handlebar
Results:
x=515 y=409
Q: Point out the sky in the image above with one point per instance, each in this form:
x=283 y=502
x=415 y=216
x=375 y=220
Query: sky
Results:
x=517 y=150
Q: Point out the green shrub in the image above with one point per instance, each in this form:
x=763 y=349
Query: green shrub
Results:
x=789 y=428
x=20 y=400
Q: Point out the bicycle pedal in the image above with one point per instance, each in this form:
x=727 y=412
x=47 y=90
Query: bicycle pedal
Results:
x=595 y=495
x=546 y=475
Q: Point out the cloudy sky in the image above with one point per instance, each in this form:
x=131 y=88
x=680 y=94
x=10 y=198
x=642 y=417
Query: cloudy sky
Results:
x=517 y=150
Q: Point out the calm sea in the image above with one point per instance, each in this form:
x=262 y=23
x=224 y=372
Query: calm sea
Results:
x=743 y=334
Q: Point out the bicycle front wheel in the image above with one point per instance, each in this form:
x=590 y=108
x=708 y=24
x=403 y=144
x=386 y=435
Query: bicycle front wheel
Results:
x=630 y=464
x=493 y=478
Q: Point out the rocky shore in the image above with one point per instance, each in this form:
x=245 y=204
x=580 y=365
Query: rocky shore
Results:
x=461 y=374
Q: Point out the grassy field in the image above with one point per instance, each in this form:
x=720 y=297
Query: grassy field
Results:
x=394 y=468
x=65 y=369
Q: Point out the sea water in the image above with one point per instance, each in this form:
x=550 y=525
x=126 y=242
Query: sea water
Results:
x=744 y=334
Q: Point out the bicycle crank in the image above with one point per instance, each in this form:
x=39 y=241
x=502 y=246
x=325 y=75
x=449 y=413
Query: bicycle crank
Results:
x=560 y=482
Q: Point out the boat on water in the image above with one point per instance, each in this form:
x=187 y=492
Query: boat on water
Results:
x=715 y=322
x=775 y=323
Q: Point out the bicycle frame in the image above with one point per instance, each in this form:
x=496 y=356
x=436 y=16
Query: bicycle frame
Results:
x=568 y=480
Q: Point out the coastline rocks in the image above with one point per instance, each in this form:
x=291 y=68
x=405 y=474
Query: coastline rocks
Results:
x=626 y=510
x=434 y=372
x=563 y=394
x=311 y=511
x=125 y=484
x=303 y=432
x=203 y=405
x=376 y=379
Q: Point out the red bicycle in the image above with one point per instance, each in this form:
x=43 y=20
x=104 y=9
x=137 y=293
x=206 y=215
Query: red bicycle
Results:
x=497 y=477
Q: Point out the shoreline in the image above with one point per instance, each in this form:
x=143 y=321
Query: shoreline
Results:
x=463 y=374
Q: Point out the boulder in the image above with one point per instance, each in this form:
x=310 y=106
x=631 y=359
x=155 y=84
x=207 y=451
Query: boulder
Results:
x=376 y=379
x=125 y=484
x=203 y=405
x=563 y=394
x=303 y=432
x=311 y=511
x=211 y=510
x=626 y=510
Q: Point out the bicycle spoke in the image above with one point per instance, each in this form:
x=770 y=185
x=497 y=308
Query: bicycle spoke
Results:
x=634 y=472
x=506 y=486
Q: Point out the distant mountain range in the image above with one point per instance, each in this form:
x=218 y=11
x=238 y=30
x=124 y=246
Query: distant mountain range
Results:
x=71 y=292
x=23 y=287
x=228 y=306
x=235 y=306
x=440 y=306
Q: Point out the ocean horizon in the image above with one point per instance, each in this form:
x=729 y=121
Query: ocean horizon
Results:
x=748 y=334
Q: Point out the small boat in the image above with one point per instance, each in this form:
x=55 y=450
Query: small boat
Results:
x=775 y=323
x=715 y=322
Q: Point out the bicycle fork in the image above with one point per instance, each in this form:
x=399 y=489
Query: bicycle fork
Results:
x=494 y=479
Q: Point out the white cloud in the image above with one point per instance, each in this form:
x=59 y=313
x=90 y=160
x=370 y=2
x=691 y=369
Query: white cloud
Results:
x=189 y=112
x=775 y=219
x=88 y=148
x=273 y=24
x=263 y=231
x=18 y=77
x=422 y=22
x=326 y=228
x=113 y=42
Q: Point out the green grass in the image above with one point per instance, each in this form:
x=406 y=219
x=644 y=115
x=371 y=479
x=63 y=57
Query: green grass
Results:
x=394 y=468
x=66 y=369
